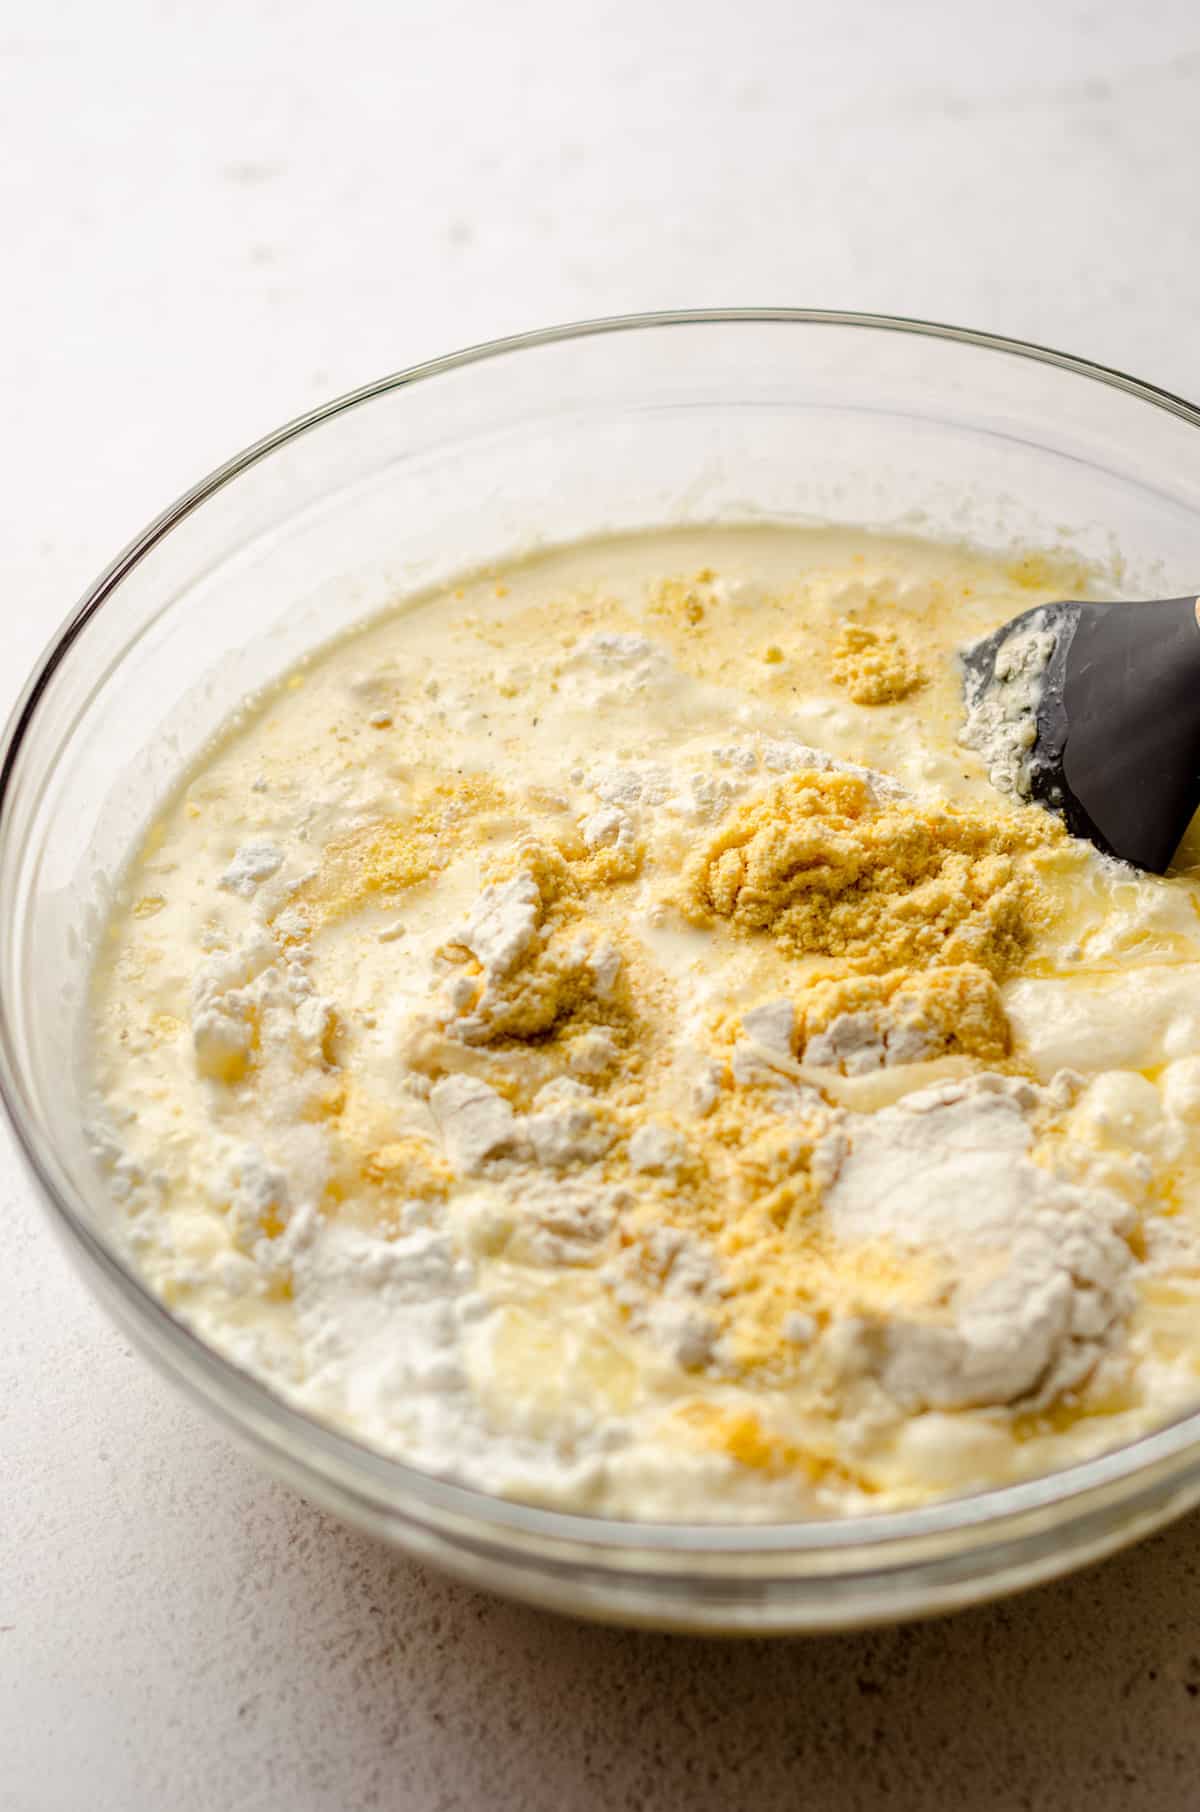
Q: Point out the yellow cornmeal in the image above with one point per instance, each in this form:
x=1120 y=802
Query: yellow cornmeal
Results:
x=826 y=871
x=874 y=665
x=488 y=1031
x=957 y=1006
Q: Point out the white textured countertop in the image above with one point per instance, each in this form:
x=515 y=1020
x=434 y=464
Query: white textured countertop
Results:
x=214 y=218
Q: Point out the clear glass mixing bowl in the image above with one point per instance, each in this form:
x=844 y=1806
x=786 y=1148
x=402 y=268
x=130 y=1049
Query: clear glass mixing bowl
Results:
x=615 y=424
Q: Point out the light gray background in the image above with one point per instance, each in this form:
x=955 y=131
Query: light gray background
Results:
x=215 y=216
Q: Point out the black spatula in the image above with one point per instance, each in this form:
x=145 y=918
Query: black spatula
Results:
x=1115 y=747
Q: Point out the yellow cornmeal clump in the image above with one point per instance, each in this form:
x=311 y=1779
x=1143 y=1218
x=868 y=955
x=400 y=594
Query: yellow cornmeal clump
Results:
x=874 y=665
x=957 y=1009
x=829 y=871
x=554 y=997
x=565 y=869
x=547 y=1016
x=681 y=603
x=953 y=1011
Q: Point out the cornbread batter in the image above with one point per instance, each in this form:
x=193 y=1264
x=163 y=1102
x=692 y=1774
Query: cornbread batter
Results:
x=599 y=1035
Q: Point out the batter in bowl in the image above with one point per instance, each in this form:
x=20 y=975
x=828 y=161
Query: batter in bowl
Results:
x=597 y=1034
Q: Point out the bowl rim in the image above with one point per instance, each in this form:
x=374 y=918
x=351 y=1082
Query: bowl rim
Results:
x=393 y=1486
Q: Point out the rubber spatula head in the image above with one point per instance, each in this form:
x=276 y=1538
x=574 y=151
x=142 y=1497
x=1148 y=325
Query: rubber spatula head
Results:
x=1115 y=747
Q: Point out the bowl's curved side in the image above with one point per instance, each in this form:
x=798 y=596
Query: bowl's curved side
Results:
x=391 y=462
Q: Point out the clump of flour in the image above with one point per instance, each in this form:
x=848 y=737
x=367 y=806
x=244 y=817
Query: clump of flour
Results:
x=1001 y=719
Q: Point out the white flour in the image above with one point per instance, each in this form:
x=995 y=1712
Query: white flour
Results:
x=1042 y=1266
x=1001 y=719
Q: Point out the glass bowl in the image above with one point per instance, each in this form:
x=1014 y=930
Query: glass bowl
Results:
x=780 y=413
